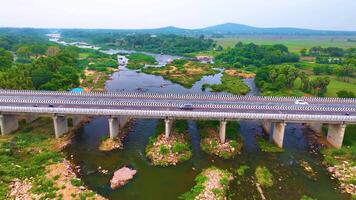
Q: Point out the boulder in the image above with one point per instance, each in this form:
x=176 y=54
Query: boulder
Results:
x=121 y=177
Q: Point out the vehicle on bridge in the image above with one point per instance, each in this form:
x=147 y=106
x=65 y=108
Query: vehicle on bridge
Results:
x=300 y=102
x=186 y=106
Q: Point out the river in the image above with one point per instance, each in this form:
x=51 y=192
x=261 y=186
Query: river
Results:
x=162 y=183
x=291 y=182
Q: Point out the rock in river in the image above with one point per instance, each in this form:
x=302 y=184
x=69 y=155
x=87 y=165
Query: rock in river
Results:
x=121 y=177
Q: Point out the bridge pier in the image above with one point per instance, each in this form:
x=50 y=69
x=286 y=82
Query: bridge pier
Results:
x=278 y=133
x=8 y=124
x=168 y=127
x=60 y=125
x=336 y=134
x=222 y=131
x=266 y=126
x=114 y=127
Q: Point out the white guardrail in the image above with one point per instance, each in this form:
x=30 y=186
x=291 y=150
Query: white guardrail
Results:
x=182 y=114
x=175 y=96
x=89 y=104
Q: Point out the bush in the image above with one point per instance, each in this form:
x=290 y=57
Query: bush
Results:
x=180 y=147
x=163 y=150
x=264 y=176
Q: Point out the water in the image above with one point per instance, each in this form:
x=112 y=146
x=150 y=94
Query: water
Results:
x=291 y=181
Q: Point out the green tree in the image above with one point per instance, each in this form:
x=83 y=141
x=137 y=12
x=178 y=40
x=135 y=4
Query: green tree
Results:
x=6 y=59
x=345 y=94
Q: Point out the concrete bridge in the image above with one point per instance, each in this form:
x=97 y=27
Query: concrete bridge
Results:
x=274 y=112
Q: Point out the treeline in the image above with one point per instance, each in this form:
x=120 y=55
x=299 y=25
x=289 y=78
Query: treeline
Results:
x=244 y=55
x=331 y=55
x=55 y=72
x=278 y=77
x=162 y=43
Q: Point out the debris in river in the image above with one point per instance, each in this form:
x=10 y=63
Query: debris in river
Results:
x=121 y=177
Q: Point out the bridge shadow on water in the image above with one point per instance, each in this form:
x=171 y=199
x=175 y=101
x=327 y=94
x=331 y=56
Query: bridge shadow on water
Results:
x=290 y=180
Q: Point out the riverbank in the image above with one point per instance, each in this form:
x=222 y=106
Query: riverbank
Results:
x=34 y=167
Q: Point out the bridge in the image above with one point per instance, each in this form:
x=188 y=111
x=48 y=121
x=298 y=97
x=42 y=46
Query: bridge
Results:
x=274 y=112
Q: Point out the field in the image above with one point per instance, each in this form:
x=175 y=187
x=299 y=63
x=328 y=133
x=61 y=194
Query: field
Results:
x=294 y=44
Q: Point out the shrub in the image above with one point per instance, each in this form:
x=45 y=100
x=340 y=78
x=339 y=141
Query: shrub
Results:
x=264 y=176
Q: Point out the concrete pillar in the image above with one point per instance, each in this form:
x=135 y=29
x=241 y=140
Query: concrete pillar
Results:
x=8 y=124
x=60 y=125
x=168 y=127
x=222 y=131
x=266 y=126
x=336 y=134
x=316 y=127
x=114 y=127
x=278 y=133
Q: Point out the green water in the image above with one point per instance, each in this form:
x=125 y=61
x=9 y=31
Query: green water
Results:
x=291 y=181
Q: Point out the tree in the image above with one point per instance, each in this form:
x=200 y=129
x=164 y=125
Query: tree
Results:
x=303 y=52
x=345 y=94
x=52 y=51
x=6 y=59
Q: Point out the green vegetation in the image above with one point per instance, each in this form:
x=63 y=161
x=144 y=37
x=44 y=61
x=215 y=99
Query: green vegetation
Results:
x=210 y=142
x=244 y=55
x=162 y=151
x=139 y=60
x=305 y=197
x=183 y=72
x=25 y=155
x=280 y=80
x=295 y=44
x=334 y=156
x=267 y=146
x=242 y=170
x=162 y=43
x=206 y=177
x=231 y=84
x=264 y=176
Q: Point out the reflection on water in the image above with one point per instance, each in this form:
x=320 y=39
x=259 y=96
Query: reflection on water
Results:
x=291 y=182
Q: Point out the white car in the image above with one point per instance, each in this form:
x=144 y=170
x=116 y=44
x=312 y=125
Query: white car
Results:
x=300 y=102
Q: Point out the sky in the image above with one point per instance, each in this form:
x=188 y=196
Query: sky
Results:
x=119 y=14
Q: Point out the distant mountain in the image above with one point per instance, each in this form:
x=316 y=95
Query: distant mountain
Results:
x=240 y=29
x=229 y=29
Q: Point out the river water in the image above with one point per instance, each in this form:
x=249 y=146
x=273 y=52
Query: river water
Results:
x=164 y=183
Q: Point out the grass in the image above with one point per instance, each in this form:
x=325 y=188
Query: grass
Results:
x=346 y=153
x=305 y=197
x=140 y=60
x=178 y=147
x=25 y=154
x=295 y=44
x=183 y=72
x=267 y=146
x=242 y=170
x=211 y=144
x=264 y=176
x=219 y=193
x=230 y=84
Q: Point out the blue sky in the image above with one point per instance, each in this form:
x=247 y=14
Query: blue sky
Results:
x=315 y=14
